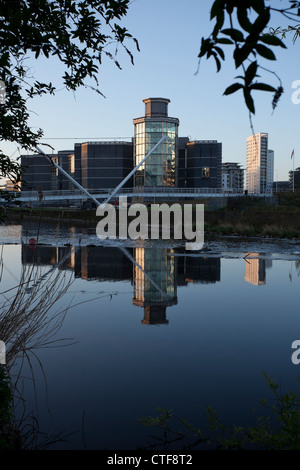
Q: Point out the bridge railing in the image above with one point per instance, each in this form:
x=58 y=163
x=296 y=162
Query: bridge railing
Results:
x=165 y=189
x=104 y=192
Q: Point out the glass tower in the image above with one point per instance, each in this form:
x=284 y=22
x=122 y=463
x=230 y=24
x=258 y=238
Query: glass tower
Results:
x=160 y=169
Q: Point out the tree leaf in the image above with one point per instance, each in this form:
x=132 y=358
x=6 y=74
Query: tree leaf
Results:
x=220 y=52
x=233 y=88
x=229 y=6
x=224 y=41
x=218 y=63
x=219 y=24
x=258 y=5
x=251 y=72
x=217 y=8
x=263 y=87
x=272 y=40
x=243 y=19
x=261 y=22
x=235 y=34
x=265 y=52
x=249 y=100
x=241 y=54
x=206 y=45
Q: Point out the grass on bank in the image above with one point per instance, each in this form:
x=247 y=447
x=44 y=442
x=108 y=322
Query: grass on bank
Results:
x=240 y=229
x=10 y=438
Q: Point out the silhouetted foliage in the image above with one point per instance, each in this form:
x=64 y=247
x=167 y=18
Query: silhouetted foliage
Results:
x=279 y=429
x=245 y=26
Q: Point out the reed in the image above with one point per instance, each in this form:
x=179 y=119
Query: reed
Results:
x=26 y=323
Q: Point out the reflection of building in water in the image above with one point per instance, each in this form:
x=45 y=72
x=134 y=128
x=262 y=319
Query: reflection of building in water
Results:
x=110 y=263
x=155 y=272
x=99 y=262
x=199 y=270
x=268 y=263
x=203 y=270
x=154 y=283
x=255 y=270
x=88 y=262
x=63 y=257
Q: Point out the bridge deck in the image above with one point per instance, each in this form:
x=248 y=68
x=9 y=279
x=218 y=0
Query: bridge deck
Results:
x=102 y=194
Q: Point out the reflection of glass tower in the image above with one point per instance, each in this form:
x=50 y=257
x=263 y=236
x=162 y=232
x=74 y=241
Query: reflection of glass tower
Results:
x=160 y=169
x=154 y=283
x=255 y=270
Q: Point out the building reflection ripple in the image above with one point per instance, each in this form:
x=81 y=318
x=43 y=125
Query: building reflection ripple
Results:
x=155 y=273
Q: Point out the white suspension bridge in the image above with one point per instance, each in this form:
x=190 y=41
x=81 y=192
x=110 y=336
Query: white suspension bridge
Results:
x=105 y=195
x=102 y=195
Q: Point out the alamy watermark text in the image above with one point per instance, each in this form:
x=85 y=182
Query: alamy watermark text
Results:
x=154 y=222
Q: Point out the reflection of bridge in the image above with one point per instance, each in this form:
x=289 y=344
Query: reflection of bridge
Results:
x=102 y=194
x=153 y=272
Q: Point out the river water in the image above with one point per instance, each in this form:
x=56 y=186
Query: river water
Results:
x=121 y=329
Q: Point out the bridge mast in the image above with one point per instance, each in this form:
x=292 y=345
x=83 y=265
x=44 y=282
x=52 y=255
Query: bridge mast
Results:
x=68 y=176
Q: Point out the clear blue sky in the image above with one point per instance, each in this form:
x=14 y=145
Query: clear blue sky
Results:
x=169 y=33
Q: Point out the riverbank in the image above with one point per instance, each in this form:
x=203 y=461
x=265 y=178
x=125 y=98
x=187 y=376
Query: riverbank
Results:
x=284 y=224
x=270 y=223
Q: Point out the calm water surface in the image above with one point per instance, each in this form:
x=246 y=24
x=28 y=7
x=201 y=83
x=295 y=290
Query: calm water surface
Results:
x=147 y=326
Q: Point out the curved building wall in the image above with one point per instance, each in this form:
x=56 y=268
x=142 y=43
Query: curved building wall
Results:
x=204 y=164
x=105 y=164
